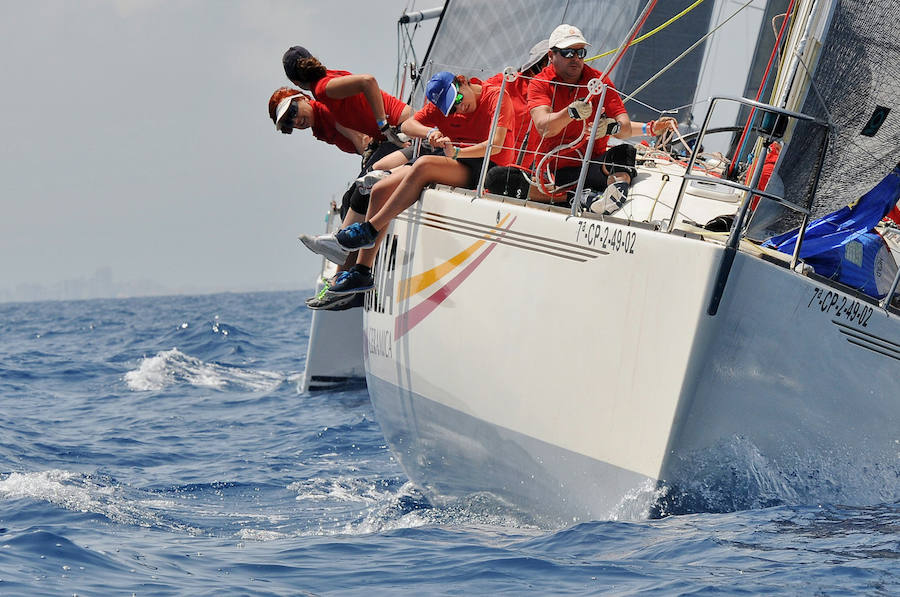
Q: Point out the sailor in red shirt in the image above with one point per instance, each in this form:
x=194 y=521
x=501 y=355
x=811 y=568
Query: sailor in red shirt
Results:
x=559 y=112
x=290 y=109
x=517 y=93
x=459 y=115
x=355 y=101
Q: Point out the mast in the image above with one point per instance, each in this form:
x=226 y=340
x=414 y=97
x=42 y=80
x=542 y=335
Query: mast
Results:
x=405 y=68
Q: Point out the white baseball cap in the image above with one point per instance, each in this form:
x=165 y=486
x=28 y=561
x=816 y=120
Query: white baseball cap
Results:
x=566 y=36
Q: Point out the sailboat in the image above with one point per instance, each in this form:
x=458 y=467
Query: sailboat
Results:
x=647 y=361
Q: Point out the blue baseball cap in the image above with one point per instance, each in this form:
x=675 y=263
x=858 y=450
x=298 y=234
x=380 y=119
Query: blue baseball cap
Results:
x=441 y=91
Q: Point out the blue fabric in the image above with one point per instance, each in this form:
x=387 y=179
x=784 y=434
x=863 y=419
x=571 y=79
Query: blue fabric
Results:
x=853 y=263
x=842 y=245
x=838 y=228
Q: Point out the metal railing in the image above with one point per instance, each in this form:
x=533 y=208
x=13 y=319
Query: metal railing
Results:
x=774 y=132
x=750 y=190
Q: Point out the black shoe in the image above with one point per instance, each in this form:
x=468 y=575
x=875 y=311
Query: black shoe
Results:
x=335 y=302
x=351 y=282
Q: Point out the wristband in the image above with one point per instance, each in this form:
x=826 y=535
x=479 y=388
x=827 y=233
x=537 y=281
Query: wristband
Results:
x=644 y=129
x=381 y=124
x=650 y=126
x=456 y=153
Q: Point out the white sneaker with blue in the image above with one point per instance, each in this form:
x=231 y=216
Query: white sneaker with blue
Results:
x=327 y=246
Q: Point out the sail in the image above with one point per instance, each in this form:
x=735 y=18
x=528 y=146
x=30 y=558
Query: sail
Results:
x=856 y=89
x=480 y=38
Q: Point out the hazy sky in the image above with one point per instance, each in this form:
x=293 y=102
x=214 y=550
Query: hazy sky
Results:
x=135 y=135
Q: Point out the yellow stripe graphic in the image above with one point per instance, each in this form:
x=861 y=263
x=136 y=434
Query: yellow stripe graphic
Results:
x=418 y=283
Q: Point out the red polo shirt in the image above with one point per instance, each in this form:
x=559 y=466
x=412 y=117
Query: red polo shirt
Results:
x=517 y=94
x=544 y=92
x=323 y=129
x=354 y=112
x=475 y=126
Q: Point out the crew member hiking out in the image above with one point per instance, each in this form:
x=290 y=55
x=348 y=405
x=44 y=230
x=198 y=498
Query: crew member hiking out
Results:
x=457 y=118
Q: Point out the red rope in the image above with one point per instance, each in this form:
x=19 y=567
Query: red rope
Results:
x=631 y=38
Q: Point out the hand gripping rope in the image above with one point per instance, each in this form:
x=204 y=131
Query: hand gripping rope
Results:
x=594 y=87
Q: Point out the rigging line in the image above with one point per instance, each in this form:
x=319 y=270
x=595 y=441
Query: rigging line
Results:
x=675 y=110
x=400 y=60
x=737 y=151
x=651 y=32
x=690 y=49
x=815 y=88
x=648 y=8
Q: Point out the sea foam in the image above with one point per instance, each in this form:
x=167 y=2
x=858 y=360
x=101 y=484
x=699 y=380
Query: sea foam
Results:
x=171 y=367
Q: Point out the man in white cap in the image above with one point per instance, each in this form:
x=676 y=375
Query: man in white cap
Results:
x=560 y=109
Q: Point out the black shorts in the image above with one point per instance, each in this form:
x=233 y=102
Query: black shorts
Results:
x=620 y=158
x=473 y=164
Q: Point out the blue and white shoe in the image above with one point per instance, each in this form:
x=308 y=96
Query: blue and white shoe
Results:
x=355 y=236
x=351 y=282
x=327 y=246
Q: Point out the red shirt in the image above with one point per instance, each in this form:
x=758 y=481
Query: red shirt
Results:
x=517 y=94
x=354 y=112
x=323 y=129
x=542 y=92
x=475 y=126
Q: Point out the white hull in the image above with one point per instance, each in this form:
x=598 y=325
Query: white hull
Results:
x=568 y=365
x=329 y=364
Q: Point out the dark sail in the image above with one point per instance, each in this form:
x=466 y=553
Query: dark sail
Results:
x=856 y=88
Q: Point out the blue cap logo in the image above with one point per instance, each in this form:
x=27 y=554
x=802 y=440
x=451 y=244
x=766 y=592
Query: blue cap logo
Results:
x=441 y=91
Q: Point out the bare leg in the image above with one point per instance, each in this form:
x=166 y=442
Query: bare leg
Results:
x=426 y=170
x=351 y=218
x=390 y=161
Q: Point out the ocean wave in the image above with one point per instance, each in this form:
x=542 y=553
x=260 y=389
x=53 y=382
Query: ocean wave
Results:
x=360 y=506
x=171 y=367
x=84 y=493
x=735 y=475
x=213 y=340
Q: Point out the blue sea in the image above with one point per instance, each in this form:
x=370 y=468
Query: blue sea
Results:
x=160 y=446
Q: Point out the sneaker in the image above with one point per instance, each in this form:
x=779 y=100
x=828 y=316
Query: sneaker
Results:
x=355 y=236
x=351 y=282
x=365 y=182
x=327 y=246
x=335 y=302
x=612 y=199
x=326 y=284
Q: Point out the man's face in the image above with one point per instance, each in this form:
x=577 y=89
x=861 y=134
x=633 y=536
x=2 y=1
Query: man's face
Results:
x=567 y=69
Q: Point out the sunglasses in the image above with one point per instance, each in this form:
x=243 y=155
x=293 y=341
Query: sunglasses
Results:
x=456 y=102
x=569 y=52
x=286 y=124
